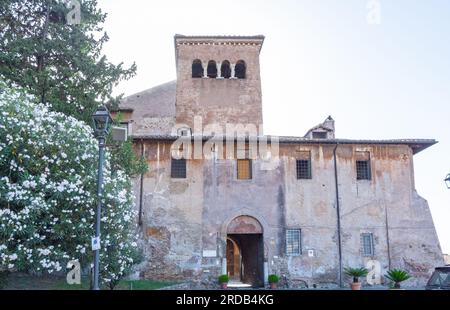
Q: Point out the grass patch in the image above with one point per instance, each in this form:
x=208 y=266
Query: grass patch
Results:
x=61 y=284
x=18 y=281
x=143 y=284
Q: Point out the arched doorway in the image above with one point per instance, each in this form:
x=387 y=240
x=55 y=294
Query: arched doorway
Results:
x=234 y=260
x=245 y=251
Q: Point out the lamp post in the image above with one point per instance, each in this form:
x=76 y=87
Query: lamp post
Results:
x=101 y=122
x=447 y=181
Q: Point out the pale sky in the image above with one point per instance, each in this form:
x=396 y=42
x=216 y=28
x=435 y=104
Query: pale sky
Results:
x=320 y=57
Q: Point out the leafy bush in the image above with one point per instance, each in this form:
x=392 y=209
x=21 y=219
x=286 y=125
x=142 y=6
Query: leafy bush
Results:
x=397 y=276
x=356 y=273
x=3 y=279
x=273 y=278
x=48 y=173
x=223 y=278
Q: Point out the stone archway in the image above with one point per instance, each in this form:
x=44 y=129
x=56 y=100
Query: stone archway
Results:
x=245 y=250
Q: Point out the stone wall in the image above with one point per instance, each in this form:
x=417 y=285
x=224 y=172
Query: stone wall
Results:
x=185 y=221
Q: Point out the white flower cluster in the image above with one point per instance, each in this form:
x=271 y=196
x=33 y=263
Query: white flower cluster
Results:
x=48 y=165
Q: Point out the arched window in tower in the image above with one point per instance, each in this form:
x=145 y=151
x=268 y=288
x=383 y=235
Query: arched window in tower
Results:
x=225 y=70
x=197 y=69
x=212 y=69
x=240 y=69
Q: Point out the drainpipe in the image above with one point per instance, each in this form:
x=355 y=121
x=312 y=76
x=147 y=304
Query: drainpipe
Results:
x=338 y=214
x=141 y=188
x=387 y=236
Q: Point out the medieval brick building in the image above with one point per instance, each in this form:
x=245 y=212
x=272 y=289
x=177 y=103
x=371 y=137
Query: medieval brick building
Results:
x=221 y=197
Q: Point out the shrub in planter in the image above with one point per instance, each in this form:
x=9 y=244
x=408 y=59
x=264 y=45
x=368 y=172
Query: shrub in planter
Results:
x=397 y=276
x=356 y=273
x=273 y=280
x=223 y=281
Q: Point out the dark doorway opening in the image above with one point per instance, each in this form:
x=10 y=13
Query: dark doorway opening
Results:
x=245 y=258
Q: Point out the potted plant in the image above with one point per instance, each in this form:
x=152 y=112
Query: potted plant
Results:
x=356 y=273
x=273 y=280
x=223 y=281
x=397 y=276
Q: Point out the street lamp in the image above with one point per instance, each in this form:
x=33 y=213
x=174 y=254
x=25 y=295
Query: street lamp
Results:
x=101 y=122
x=447 y=181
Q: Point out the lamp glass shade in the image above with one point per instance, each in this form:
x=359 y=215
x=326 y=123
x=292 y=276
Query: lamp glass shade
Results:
x=101 y=121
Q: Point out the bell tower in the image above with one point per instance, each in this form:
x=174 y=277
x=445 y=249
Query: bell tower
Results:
x=218 y=79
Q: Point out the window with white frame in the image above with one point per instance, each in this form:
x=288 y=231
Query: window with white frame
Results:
x=127 y=126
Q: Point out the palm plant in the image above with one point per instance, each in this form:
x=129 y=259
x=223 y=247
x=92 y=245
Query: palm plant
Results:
x=397 y=276
x=356 y=273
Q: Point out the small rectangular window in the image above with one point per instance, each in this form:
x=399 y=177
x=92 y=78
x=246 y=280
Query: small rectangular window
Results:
x=367 y=244
x=303 y=165
x=363 y=171
x=293 y=242
x=128 y=126
x=244 y=169
x=178 y=168
x=319 y=134
x=304 y=169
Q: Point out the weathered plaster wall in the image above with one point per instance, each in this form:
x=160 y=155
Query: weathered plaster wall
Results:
x=185 y=217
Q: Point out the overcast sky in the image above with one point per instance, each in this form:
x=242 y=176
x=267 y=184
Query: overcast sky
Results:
x=321 y=57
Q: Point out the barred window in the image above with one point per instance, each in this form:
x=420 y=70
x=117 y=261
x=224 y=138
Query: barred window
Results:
x=293 y=242
x=178 y=168
x=363 y=170
x=244 y=169
x=363 y=166
x=303 y=165
x=303 y=169
x=367 y=244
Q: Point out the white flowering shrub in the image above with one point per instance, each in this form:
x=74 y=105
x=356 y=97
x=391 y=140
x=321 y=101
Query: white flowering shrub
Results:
x=48 y=173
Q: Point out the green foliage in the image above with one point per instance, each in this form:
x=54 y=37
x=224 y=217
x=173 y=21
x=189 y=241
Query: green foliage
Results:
x=223 y=278
x=59 y=63
x=22 y=281
x=62 y=64
x=356 y=273
x=397 y=276
x=273 y=278
x=3 y=279
x=123 y=153
x=48 y=174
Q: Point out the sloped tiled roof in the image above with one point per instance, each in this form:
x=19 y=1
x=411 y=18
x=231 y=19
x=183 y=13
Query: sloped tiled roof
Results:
x=153 y=110
x=157 y=101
